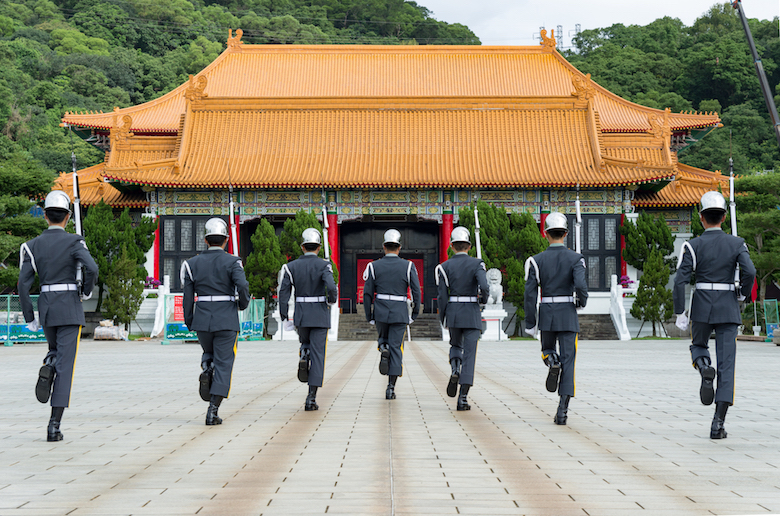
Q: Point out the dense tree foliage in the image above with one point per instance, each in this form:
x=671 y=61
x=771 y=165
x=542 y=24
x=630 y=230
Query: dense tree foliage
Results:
x=707 y=67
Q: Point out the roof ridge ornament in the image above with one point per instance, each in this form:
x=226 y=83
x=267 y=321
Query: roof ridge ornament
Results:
x=121 y=133
x=234 y=42
x=661 y=127
x=547 y=43
x=195 y=88
x=583 y=87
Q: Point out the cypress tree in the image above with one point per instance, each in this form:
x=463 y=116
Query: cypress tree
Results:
x=653 y=300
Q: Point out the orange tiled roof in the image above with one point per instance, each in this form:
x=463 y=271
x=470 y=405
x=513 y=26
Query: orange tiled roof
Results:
x=406 y=72
x=92 y=189
x=686 y=190
x=296 y=143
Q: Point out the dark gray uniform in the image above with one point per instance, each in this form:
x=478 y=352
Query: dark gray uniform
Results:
x=462 y=286
x=218 y=279
x=315 y=288
x=561 y=273
x=53 y=256
x=714 y=257
x=390 y=278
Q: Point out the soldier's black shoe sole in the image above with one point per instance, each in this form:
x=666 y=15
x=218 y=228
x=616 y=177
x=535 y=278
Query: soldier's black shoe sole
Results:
x=552 y=377
x=384 y=362
x=57 y=436
x=45 y=381
x=452 y=386
x=204 y=385
x=706 y=391
x=303 y=370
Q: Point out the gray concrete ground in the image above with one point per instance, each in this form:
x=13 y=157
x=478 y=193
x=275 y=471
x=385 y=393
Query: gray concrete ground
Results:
x=637 y=439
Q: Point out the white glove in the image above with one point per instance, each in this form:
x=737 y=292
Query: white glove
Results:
x=531 y=331
x=288 y=325
x=34 y=325
x=372 y=322
x=85 y=297
x=411 y=320
x=682 y=321
x=740 y=298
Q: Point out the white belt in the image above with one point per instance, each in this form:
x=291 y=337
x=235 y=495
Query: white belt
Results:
x=390 y=297
x=558 y=299
x=463 y=299
x=216 y=298
x=315 y=299
x=715 y=286
x=59 y=287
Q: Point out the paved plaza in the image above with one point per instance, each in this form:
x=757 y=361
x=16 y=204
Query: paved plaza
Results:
x=636 y=443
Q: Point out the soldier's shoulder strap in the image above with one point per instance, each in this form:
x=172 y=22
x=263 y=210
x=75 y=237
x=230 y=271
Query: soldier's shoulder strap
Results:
x=369 y=270
x=185 y=270
x=531 y=262
x=687 y=245
x=409 y=272
x=26 y=249
x=441 y=273
x=286 y=270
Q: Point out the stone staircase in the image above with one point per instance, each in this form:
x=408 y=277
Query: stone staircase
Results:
x=597 y=327
x=355 y=327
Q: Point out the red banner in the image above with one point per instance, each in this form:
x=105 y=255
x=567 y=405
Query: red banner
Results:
x=178 y=308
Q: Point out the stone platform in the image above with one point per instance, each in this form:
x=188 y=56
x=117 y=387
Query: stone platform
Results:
x=637 y=440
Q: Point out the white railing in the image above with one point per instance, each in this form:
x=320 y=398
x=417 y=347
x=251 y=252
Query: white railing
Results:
x=617 y=309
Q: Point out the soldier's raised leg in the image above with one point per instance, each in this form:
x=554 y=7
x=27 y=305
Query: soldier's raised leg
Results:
x=700 y=356
x=456 y=360
x=383 y=331
x=551 y=359
x=206 y=378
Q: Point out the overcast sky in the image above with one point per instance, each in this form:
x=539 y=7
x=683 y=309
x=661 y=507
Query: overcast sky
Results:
x=516 y=22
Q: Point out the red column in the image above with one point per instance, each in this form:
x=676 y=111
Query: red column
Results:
x=542 y=218
x=623 y=265
x=333 y=239
x=444 y=235
x=156 y=247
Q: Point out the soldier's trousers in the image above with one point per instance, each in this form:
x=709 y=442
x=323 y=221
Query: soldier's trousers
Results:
x=567 y=350
x=220 y=347
x=393 y=335
x=315 y=340
x=63 y=349
x=463 y=345
x=725 y=350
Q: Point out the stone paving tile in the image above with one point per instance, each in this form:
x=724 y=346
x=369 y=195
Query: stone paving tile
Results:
x=636 y=441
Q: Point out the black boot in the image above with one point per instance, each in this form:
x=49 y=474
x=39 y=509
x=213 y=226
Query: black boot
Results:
x=717 y=431
x=53 y=431
x=553 y=362
x=706 y=392
x=303 y=366
x=211 y=414
x=45 y=380
x=205 y=380
x=384 y=359
x=462 y=404
x=563 y=409
x=452 y=386
x=390 y=392
x=311 y=399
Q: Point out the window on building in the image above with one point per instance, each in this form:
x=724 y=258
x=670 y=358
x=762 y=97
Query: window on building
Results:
x=182 y=238
x=600 y=246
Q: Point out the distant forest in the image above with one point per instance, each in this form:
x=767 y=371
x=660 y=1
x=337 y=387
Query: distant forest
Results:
x=65 y=55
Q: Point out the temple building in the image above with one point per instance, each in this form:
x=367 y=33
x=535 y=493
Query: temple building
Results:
x=392 y=136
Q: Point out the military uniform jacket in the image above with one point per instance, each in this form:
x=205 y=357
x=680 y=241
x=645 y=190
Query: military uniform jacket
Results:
x=312 y=277
x=214 y=273
x=461 y=276
x=393 y=276
x=561 y=273
x=53 y=255
x=714 y=257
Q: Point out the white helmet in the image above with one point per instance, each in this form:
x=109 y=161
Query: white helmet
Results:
x=57 y=200
x=392 y=236
x=311 y=236
x=556 y=220
x=460 y=234
x=712 y=201
x=216 y=227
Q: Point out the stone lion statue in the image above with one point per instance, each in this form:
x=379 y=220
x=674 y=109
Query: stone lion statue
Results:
x=496 y=292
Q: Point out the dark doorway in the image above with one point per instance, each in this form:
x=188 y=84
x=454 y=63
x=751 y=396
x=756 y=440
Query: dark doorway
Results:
x=361 y=242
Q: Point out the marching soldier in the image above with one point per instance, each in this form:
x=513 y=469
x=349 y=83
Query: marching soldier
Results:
x=714 y=257
x=390 y=278
x=462 y=287
x=55 y=256
x=560 y=272
x=218 y=280
x=315 y=290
